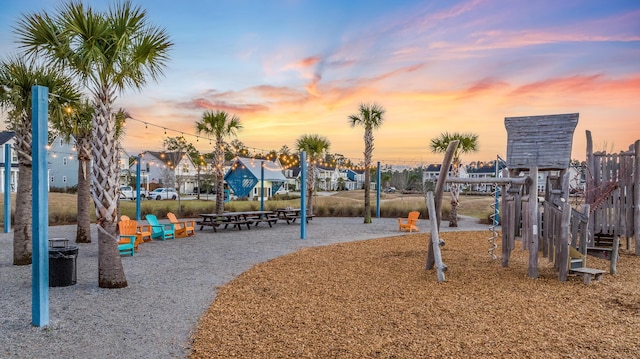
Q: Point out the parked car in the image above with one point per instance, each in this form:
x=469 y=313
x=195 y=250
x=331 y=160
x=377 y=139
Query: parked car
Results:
x=390 y=189
x=163 y=193
x=128 y=192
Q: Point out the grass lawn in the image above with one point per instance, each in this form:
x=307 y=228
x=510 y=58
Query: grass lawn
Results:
x=62 y=206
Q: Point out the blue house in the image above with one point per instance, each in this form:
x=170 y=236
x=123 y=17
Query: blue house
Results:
x=355 y=179
x=246 y=177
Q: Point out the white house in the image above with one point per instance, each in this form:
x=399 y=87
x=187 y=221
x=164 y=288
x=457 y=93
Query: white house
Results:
x=166 y=169
x=432 y=172
x=6 y=138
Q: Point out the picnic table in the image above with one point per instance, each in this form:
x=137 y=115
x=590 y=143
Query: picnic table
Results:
x=236 y=219
x=290 y=214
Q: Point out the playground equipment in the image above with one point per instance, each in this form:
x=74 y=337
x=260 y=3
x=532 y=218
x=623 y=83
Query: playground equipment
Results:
x=536 y=144
x=613 y=194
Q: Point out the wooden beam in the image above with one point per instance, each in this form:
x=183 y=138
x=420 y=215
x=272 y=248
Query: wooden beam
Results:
x=533 y=222
x=500 y=181
x=442 y=178
x=434 y=243
x=636 y=210
x=563 y=251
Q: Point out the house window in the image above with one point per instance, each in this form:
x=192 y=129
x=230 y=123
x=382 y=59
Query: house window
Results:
x=64 y=179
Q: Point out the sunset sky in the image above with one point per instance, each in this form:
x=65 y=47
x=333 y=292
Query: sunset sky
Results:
x=293 y=67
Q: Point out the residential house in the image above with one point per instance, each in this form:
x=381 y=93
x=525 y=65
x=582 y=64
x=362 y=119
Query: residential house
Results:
x=486 y=171
x=6 y=138
x=293 y=178
x=166 y=169
x=247 y=176
x=431 y=173
x=354 y=179
x=62 y=158
x=327 y=178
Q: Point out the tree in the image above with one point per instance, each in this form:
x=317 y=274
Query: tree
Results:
x=315 y=147
x=468 y=142
x=369 y=116
x=77 y=124
x=219 y=125
x=109 y=52
x=17 y=77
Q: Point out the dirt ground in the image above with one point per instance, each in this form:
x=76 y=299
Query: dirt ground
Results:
x=373 y=299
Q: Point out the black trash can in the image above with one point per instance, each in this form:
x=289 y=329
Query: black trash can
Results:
x=62 y=263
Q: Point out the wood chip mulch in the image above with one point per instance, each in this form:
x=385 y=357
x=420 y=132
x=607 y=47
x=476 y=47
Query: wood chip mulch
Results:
x=373 y=299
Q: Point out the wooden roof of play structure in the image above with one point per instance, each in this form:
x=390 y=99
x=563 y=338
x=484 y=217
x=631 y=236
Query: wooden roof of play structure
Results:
x=541 y=141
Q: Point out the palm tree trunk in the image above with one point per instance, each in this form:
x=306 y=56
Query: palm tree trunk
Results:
x=455 y=194
x=219 y=163
x=368 y=150
x=22 y=240
x=83 y=234
x=311 y=182
x=106 y=177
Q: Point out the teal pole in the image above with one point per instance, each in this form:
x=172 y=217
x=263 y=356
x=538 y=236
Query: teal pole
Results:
x=39 y=208
x=262 y=185
x=138 y=159
x=378 y=178
x=303 y=195
x=7 y=188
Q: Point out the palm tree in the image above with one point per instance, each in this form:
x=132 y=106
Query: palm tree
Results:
x=218 y=125
x=77 y=124
x=109 y=52
x=315 y=146
x=468 y=142
x=369 y=116
x=17 y=77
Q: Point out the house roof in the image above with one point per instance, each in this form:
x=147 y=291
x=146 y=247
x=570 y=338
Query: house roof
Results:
x=5 y=136
x=436 y=167
x=169 y=158
x=540 y=141
x=272 y=170
x=486 y=167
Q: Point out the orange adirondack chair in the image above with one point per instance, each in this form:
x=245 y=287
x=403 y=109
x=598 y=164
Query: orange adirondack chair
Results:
x=410 y=224
x=128 y=239
x=182 y=228
x=143 y=232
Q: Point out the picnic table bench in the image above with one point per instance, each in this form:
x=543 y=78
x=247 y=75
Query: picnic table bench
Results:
x=291 y=214
x=236 y=219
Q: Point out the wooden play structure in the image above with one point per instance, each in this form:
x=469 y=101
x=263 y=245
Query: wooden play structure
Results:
x=546 y=222
x=612 y=190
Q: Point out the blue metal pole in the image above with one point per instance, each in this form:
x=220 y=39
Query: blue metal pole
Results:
x=138 y=159
x=7 y=188
x=40 y=208
x=262 y=185
x=378 y=178
x=303 y=195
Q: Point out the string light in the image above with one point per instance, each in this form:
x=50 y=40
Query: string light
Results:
x=286 y=160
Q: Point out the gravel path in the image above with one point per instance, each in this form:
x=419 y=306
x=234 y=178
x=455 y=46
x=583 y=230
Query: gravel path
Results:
x=171 y=284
